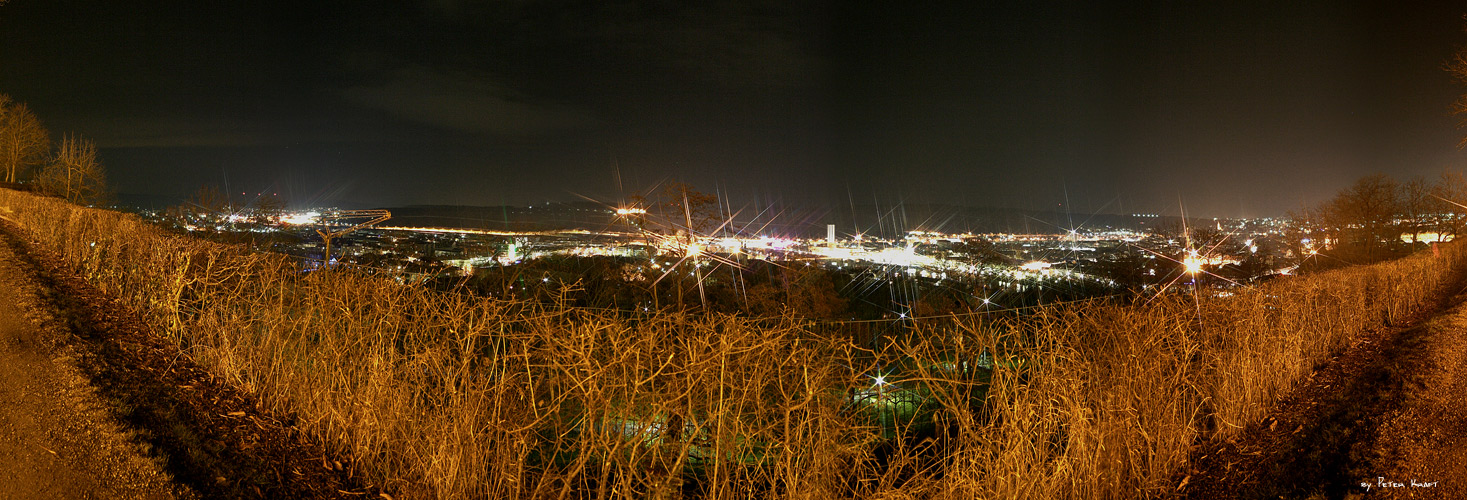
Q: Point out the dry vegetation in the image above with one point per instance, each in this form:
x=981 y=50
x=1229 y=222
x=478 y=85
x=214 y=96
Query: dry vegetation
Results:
x=442 y=395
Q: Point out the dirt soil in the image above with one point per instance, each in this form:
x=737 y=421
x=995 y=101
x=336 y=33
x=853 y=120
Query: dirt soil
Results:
x=95 y=405
x=1384 y=419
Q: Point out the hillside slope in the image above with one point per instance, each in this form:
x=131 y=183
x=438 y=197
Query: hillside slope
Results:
x=58 y=438
x=1382 y=418
x=93 y=404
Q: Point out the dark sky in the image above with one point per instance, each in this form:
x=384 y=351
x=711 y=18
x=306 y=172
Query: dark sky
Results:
x=1228 y=108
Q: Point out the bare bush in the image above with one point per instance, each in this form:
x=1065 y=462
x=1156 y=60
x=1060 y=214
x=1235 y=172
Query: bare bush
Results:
x=74 y=173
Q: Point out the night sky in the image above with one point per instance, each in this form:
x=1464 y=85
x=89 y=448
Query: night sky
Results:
x=1226 y=108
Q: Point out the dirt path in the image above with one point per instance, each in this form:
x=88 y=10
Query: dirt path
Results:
x=93 y=404
x=1384 y=419
x=1421 y=449
x=57 y=437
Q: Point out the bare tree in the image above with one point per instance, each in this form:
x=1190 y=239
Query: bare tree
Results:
x=681 y=208
x=23 y=141
x=1306 y=222
x=208 y=200
x=1457 y=66
x=1363 y=215
x=267 y=209
x=1416 y=204
x=1448 y=196
x=74 y=172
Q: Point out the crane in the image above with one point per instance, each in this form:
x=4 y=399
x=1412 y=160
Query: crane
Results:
x=345 y=216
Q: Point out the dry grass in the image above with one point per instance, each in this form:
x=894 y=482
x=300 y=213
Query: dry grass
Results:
x=447 y=396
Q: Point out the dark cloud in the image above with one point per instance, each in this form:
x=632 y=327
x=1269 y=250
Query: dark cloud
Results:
x=465 y=103
x=176 y=131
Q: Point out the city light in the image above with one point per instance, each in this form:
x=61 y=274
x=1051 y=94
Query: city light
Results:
x=300 y=219
x=1035 y=266
x=1020 y=261
x=1192 y=263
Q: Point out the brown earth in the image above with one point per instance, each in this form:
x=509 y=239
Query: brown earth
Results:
x=1423 y=447
x=1383 y=419
x=93 y=404
x=58 y=438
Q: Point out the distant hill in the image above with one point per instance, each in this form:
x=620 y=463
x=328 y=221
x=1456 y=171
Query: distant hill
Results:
x=548 y=216
x=890 y=220
x=883 y=221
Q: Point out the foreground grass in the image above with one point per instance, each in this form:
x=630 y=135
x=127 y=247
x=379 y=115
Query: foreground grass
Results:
x=443 y=395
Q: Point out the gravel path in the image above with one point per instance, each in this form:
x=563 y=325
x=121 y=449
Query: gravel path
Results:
x=58 y=438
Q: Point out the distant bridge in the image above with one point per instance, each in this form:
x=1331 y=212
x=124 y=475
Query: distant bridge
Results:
x=500 y=233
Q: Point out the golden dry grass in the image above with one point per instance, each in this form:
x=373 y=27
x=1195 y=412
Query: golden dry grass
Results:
x=440 y=395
